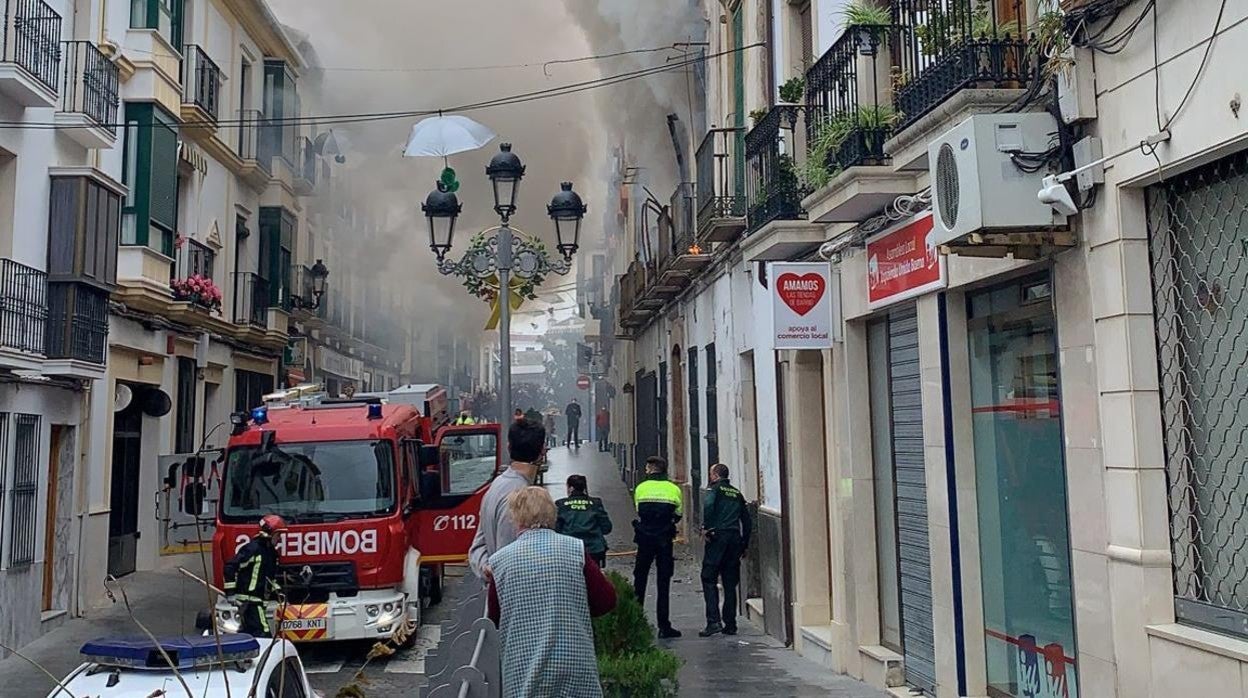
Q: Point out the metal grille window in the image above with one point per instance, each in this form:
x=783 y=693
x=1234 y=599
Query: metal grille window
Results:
x=25 y=492
x=1200 y=276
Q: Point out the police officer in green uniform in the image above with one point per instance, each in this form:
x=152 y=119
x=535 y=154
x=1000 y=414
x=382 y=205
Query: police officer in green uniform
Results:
x=726 y=527
x=659 y=509
x=251 y=577
x=584 y=517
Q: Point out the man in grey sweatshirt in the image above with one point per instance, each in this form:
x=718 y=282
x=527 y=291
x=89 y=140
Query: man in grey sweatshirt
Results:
x=495 y=528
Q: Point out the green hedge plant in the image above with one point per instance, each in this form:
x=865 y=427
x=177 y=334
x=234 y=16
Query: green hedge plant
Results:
x=630 y=663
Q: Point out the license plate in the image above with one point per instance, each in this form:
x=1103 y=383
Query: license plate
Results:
x=300 y=624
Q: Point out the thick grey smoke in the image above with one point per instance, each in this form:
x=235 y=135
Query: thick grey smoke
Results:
x=635 y=112
x=396 y=55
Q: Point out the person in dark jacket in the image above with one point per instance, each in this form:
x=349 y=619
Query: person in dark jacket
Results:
x=726 y=528
x=251 y=577
x=573 y=411
x=584 y=517
x=659 y=509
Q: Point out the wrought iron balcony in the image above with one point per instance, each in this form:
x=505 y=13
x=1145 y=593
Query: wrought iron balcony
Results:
x=720 y=194
x=77 y=327
x=201 y=83
x=773 y=187
x=91 y=84
x=32 y=42
x=846 y=121
x=251 y=299
x=23 y=307
x=951 y=45
x=257 y=169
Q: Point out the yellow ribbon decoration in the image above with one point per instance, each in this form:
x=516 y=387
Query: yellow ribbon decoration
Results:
x=516 y=300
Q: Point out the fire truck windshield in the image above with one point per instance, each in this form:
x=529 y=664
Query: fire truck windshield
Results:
x=309 y=482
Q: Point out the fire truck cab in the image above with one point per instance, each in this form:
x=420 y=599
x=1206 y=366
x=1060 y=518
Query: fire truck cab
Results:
x=378 y=494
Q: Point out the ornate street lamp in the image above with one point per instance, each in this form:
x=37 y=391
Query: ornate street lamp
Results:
x=567 y=211
x=504 y=255
x=318 y=274
x=505 y=172
x=441 y=208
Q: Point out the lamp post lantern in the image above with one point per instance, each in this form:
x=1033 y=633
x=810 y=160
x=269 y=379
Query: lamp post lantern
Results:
x=318 y=274
x=505 y=255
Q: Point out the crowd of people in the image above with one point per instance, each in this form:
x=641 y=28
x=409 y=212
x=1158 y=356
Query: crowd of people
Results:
x=526 y=541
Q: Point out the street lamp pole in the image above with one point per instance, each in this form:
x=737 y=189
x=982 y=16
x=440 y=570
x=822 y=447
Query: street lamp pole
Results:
x=504 y=257
x=504 y=327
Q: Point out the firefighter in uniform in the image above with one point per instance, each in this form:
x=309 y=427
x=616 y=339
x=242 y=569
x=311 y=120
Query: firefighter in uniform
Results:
x=583 y=517
x=726 y=528
x=659 y=509
x=254 y=579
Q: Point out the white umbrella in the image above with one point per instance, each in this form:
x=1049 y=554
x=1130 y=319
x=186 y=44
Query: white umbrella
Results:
x=440 y=136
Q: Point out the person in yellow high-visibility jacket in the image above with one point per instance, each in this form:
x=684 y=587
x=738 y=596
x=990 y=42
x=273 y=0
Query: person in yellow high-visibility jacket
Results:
x=659 y=509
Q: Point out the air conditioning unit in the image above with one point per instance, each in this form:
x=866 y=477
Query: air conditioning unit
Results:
x=977 y=188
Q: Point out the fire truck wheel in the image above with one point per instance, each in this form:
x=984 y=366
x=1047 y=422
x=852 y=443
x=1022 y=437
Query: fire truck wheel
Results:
x=435 y=586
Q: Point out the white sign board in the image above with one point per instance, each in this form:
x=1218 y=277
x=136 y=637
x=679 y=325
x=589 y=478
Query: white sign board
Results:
x=339 y=365
x=801 y=294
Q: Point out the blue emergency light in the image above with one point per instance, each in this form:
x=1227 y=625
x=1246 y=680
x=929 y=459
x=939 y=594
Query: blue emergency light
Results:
x=260 y=415
x=374 y=410
x=184 y=652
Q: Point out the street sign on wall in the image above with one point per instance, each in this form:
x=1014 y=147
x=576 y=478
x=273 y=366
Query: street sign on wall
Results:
x=903 y=262
x=802 y=300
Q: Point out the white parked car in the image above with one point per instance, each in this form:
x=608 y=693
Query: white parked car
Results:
x=135 y=668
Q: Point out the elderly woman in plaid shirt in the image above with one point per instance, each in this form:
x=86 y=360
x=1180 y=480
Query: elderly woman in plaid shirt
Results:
x=544 y=590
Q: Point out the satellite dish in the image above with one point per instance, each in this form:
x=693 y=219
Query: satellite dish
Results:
x=122 y=397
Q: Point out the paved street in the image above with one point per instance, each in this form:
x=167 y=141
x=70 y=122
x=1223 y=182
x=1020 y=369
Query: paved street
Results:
x=750 y=664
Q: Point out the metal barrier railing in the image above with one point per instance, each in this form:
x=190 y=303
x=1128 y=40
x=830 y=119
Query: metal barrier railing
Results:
x=472 y=665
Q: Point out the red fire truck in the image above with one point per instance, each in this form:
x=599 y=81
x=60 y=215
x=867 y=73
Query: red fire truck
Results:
x=379 y=493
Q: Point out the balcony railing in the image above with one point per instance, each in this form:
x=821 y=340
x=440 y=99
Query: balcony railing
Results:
x=718 y=194
x=950 y=45
x=250 y=124
x=77 y=325
x=201 y=81
x=676 y=227
x=91 y=84
x=774 y=191
x=23 y=306
x=846 y=122
x=251 y=299
x=32 y=39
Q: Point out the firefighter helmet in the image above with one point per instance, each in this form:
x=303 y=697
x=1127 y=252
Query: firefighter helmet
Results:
x=272 y=523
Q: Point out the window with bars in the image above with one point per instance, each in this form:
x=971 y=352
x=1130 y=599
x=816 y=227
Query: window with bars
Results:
x=1200 y=275
x=24 y=493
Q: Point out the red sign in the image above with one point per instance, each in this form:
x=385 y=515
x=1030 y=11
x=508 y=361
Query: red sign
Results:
x=583 y=382
x=801 y=293
x=903 y=263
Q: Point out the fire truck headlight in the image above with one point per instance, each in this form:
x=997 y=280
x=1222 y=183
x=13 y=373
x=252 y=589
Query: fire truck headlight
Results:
x=372 y=610
x=229 y=622
x=388 y=607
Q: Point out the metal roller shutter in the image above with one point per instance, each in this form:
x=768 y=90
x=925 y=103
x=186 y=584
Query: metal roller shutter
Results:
x=914 y=555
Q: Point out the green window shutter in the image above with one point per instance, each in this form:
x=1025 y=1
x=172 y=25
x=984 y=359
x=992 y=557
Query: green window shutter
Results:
x=164 y=175
x=151 y=171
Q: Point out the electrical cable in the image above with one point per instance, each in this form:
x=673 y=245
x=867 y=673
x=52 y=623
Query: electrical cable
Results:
x=1204 y=61
x=354 y=118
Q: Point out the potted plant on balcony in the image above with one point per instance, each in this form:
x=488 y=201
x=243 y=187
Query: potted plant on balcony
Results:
x=823 y=156
x=867 y=21
x=198 y=290
x=793 y=91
